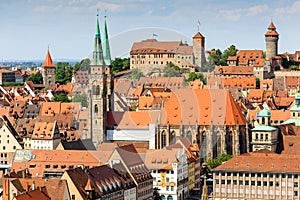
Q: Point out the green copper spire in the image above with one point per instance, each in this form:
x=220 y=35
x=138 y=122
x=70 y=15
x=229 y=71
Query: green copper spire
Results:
x=97 y=28
x=97 y=53
x=105 y=45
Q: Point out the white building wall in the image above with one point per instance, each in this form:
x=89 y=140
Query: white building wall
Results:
x=134 y=135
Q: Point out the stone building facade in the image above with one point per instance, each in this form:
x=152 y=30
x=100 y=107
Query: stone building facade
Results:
x=48 y=71
x=271 y=38
x=100 y=88
x=151 y=54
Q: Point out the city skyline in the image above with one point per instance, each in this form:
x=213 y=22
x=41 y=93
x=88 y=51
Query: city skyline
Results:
x=29 y=26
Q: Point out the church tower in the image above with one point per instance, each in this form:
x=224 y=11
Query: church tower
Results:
x=199 y=49
x=108 y=70
x=271 y=37
x=48 y=71
x=98 y=92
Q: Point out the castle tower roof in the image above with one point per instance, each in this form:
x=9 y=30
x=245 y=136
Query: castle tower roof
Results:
x=271 y=26
x=48 y=60
x=198 y=35
x=271 y=30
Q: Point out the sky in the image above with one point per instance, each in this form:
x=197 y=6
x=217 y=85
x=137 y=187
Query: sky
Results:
x=68 y=26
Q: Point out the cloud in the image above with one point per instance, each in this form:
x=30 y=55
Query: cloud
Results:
x=235 y=14
x=295 y=7
x=256 y=10
x=113 y=7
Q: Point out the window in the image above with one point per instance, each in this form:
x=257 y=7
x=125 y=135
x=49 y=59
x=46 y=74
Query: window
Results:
x=73 y=196
x=295 y=193
x=168 y=179
x=172 y=188
x=97 y=90
x=258 y=183
x=3 y=147
x=96 y=108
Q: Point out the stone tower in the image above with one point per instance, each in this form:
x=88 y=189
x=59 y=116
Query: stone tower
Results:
x=108 y=70
x=198 y=49
x=48 y=71
x=271 y=37
x=98 y=91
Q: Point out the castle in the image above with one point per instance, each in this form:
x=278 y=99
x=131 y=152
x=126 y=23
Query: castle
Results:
x=151 y=54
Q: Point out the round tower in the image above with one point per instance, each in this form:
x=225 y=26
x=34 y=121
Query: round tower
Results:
x=198 y=49
x=271 y=37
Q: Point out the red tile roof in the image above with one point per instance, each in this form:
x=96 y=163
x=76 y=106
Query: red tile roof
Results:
x=263 y=161
x=48 y=61
x=198 y=35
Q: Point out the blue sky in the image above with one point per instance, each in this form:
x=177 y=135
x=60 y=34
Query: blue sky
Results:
x=68 y=26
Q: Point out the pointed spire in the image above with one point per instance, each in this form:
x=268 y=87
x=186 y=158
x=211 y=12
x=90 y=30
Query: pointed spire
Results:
x=48 y=60
x=97 y=53
x=105 y=45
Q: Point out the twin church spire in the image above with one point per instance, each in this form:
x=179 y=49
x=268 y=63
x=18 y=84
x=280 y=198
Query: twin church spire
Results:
x=101 y=53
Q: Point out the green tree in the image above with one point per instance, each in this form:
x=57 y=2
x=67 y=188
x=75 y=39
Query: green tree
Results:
x=216 y=57
x=136 y=74
x=60 y=98
x=171 y=70
x=83 y=65
x=213 y=163
x=63 y=72
x=230 y=51
x=294 y=67
x=193 y=76
x=120 y=64
x=287 y=63
x=257 y=81
x=36 y=78
x=81 y=98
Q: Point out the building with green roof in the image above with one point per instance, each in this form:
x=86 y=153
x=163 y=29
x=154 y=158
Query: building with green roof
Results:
x=264 y=136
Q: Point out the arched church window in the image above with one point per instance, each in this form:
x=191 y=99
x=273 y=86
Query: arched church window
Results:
x=96 y=108
x=163 y=139
x=98 y=90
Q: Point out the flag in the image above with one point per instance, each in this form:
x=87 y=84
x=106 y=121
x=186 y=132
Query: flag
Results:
x=198 y=23
x=155 y=35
